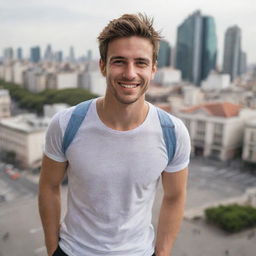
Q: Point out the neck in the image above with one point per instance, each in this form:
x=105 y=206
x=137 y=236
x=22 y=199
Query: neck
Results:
x=120 y=116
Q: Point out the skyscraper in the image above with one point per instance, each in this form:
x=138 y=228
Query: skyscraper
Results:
x=243 y=63
x=8 y=53
x=164 y=55
x=71 y=54
x=209 y=47
x=19 y=54
x=232 y=50
x=48 y=55
x=196 y=47
x=35 y=54
x=89 y=55
x=58 y=56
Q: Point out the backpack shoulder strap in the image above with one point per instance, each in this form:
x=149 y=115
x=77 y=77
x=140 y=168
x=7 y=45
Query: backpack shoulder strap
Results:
x=168 y=133
x=74 y=123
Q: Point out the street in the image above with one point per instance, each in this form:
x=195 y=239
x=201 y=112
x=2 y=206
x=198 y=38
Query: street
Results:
x=21 y=233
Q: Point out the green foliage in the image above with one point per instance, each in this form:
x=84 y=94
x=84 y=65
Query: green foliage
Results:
x=35 y=101
x=232 y=218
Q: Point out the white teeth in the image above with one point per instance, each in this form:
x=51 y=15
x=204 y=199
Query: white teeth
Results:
x=129 y=85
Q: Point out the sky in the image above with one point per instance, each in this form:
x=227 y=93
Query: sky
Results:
x=65 y=23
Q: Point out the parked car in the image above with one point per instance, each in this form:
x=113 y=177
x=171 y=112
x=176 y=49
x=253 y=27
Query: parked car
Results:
x=13 y=173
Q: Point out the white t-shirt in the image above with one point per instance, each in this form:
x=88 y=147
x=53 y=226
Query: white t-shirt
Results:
x=112 y=182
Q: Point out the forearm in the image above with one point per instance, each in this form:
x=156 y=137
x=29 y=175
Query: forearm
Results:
x=170 y=218
x=49 y=208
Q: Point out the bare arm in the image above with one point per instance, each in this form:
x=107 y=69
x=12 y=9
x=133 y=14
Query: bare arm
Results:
x=49 y=200
x=172 y=208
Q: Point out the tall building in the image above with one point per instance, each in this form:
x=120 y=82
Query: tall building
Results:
x=71 y=54
x=232 y=50
x=8 y=53
x=48 y=55
x=19 y=54
x=164 y=55
x=89 y=55
x=209 y=47
x=58 y=56
x=196 y=47
x=243 y=63
x=35 y=55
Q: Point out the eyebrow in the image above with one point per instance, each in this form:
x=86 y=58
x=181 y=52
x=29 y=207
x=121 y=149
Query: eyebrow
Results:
x=123 y=58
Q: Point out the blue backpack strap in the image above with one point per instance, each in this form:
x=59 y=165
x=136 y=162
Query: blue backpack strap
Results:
x=168 y=133
x=74 y=123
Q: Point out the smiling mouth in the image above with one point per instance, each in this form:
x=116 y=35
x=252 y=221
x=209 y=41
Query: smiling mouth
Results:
x=128 y=85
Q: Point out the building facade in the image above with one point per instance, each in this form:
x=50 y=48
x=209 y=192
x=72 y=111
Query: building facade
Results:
x=196 y=47
x=24 y=135
x=216 y=82
x=232 y=50
x=164 y=54
x=35 y=54
x=167 y=76
x=5 y=103
x=249 y=147
x=216 y=129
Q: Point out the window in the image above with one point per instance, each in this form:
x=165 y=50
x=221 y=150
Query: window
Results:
x=218 y=134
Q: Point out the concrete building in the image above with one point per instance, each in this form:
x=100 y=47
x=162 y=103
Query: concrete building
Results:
x=167 y=76
x=66 y=80
x=51 y=110
x=8 y=72
x=1 y=71
x=158 y=94
x=5 y=103
x=24 y=135
x=35 y=80
x=216 y=129
x=18 y=72
x=192 y=95
x=249 y=146
x=93 y=81
x=216 y=81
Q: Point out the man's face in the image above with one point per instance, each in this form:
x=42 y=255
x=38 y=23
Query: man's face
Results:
x=128 y=68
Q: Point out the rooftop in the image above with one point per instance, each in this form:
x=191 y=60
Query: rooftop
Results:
x=26 y=123
x=221 y=109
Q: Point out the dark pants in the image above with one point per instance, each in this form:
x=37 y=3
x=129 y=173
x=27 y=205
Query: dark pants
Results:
x=59 y=252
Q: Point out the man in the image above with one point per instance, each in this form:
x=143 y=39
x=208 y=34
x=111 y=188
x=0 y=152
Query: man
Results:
x=115 y=159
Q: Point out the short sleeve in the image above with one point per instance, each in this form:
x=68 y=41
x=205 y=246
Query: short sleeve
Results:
x=183 y=147
x=53 y=140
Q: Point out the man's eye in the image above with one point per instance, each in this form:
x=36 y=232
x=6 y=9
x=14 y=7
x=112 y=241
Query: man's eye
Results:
x=141 y=63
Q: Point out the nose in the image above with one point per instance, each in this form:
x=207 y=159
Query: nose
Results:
x=129 y=72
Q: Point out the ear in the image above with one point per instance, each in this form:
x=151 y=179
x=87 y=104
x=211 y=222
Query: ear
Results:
x=154 y=69
x=102 y=66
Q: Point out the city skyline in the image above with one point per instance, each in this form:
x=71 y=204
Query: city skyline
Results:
x=63 y=24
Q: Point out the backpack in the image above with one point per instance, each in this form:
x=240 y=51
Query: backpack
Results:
x=80 y=112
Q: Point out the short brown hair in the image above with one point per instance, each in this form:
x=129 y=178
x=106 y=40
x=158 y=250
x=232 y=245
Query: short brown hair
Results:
x=126 y=26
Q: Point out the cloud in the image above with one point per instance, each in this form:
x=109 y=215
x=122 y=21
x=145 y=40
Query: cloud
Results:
x=43 y=14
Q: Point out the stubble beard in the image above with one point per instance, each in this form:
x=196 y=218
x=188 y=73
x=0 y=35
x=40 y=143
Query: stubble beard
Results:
x=127 y=101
